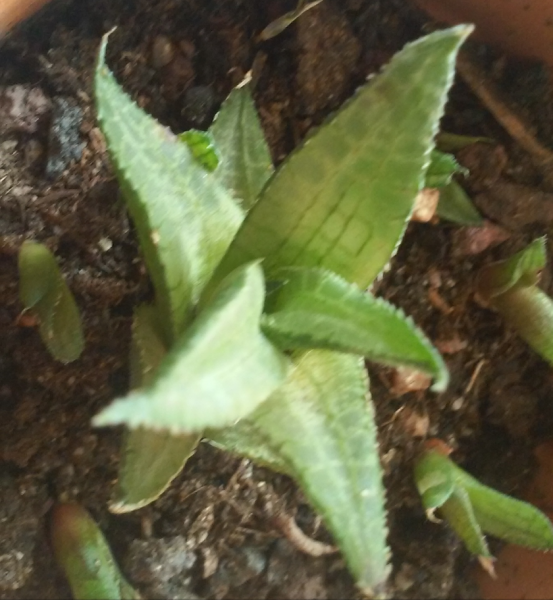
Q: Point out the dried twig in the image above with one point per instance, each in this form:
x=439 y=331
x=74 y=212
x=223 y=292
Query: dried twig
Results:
x=515 y=125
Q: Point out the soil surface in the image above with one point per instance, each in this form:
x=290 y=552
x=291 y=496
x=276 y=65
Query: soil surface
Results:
x=211 y=535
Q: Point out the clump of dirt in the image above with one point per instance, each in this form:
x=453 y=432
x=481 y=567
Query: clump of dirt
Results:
x=212 y=534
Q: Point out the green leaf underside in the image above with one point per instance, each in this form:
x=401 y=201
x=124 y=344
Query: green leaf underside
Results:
x=322 y=424
x=245 y=159
x=185 y=220
x=522 y=270
x=441 y=169
x=455 y=206
x=499 y=515
x=150 y=460
x=459 y=513
x=216 y=373
x=85 y=557
x=318 y=309
x=43 y=288
x=341 y=201
x=245 y=439
x=202 y=148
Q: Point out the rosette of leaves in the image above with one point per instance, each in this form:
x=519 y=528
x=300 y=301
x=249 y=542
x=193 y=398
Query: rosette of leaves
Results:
x=260 y=325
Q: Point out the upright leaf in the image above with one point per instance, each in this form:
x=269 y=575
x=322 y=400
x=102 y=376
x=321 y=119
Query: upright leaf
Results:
x=220 y=370
x=317 y=309
x=84 y=555
x=341 y=201
x=322 y=424
x=184 y=219
x=150 y=459
x=510 y=287
x=43 y=288
x=245 y=160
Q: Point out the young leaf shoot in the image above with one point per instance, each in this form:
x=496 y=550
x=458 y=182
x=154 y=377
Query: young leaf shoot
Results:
x=473 y=509
x=510 y=287
x=43 y=289
x=83 y=554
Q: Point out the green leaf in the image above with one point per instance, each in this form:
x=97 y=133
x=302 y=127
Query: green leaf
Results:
x=441 y=169
x=317 y=309
x=185 y=220
x=510 y=287
x=435 y=479
x=202 y=148
x=43 y=289
x=342 y=200
x=459 y=513
x=218 y=371
x=529 y=311
x=322 y=423
x=511 y=520
x=84 y=555
x=150 y=459
x=521 y=270
x=471 y=507
x=246 y=440
x=246 y=163
x=455 y=206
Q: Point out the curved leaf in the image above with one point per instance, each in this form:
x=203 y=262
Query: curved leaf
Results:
x=317 y=309
x=322 y=424
x=434 y=479
x=471 y=507
x=523 y=269
x=185 y=220
x=43 y=288
x=217 y=372
x=245 y=159
x=341 y=201
x=507 y=518
x=510 y=287
x=150 y=460
x=84 y=555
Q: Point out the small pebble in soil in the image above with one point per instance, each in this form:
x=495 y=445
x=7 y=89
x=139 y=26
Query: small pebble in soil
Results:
x=23 y=108
x=199 y=105
x=64 y=140
x=163 y=51
x=33 y=154
x=156 y=561
x=235 y=569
